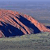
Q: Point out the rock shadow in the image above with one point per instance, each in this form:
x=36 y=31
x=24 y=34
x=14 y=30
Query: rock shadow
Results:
x=29 y=24
x=9 y=30
x=48 y=27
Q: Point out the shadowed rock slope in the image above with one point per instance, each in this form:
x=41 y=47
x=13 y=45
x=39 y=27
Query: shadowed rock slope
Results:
x=14 y=24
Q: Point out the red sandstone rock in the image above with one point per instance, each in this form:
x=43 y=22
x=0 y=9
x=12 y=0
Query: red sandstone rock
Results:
x=14 y=24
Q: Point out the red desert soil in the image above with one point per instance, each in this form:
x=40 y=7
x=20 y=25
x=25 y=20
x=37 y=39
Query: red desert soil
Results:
x=14 y=24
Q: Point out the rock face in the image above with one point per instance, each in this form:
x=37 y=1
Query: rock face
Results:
x=14 y=24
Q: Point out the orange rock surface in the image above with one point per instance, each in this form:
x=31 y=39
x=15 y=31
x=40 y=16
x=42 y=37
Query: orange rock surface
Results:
x=14 y=24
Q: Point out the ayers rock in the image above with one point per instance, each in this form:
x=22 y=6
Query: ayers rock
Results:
x=14 y=24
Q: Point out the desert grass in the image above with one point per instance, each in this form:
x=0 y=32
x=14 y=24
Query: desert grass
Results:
x=39 y=41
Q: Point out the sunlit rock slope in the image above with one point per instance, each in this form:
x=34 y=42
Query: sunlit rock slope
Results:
x=14 y=24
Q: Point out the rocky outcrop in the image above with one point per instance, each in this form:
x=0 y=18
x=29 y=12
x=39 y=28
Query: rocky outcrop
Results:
x=14 y=24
